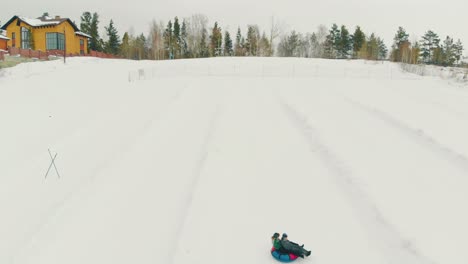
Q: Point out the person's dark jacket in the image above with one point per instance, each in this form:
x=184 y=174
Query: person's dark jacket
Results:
x=292 y=247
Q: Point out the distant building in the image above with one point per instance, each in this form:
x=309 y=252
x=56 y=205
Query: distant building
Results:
x=3 y=42
x=46 y=34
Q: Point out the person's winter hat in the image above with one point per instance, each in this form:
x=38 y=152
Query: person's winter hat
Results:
x=285 y=235
x=275 y=235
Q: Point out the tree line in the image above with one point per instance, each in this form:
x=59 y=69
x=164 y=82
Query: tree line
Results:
x=334 y=43
x=429 y=50
x=192 y=37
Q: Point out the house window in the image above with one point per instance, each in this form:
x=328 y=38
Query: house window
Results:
x=81 y=46
x=55 y=41
x=13 y=39
x=25 y=38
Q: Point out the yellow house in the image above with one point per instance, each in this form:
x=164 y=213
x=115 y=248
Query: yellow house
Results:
x=46 y=33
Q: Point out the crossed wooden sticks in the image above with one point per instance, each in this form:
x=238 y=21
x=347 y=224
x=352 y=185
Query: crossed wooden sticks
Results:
x=52 y=163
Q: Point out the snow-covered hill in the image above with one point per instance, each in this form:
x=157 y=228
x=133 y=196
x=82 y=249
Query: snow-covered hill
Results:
x=200 y=161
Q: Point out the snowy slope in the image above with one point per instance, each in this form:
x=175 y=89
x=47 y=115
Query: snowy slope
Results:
x=200 y=161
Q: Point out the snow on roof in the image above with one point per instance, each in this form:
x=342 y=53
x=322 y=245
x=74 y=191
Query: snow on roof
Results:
x=3 y=37
x=82 y=34
x=39 y=22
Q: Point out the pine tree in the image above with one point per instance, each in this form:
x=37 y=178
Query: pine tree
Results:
x=203 y=46
x=125 y=46
x=336 y=34
x=85 y=25
x=373 y=48
x=96 y=43
x=140 y=45
x=294 y=45
x=183 y=40
x=252 y=40
x=400 y=41
x=358 y=39
x=113 y=44
x=344 y=45
x=401 y=36
x=328 y=47
x=216 y=41
x=238 y=46
x=243 y=47
x=448 y=52
x=168 y=39
x=176 y=47
x=458 y=50
x=102 y=44
x=251 y=44
x=429 y=44
x=228 y=49
x=383 y=51
x=332 y=43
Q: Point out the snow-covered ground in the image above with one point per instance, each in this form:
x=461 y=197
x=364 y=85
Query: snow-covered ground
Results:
x=456 y=75
x=201 y=161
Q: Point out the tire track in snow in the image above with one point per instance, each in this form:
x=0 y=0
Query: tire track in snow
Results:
x=197 y=172
x=416 y=135
x=390 y=241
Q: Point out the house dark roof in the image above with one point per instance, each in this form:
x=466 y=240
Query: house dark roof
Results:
x=41 y=22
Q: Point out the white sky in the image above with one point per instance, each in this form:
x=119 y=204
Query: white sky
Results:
x=448 y=17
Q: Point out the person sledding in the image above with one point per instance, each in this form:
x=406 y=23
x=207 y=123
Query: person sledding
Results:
x=277 y=243
x=285 y=246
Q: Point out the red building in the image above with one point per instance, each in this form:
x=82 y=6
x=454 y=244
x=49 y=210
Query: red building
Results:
x=3 y=42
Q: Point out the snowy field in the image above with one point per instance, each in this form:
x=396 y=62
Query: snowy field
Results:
x=201 y=161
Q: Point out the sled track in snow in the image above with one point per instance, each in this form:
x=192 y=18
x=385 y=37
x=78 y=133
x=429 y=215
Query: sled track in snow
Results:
x=197 y=171
x=172 y=100
x=416 y=135
x=395 y=247
x=55 y=210
x=450 y=110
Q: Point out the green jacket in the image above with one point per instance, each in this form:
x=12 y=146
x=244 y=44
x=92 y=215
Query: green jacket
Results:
x=277 y=243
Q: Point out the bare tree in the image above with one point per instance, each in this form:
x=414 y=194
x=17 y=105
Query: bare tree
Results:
x=196 y=25
x=156 y=40
x=276 y=30
x=320 y=38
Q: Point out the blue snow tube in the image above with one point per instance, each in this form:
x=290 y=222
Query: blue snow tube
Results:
x=283 y=257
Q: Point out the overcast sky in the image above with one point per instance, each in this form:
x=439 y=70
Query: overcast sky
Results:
x=447 y=17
